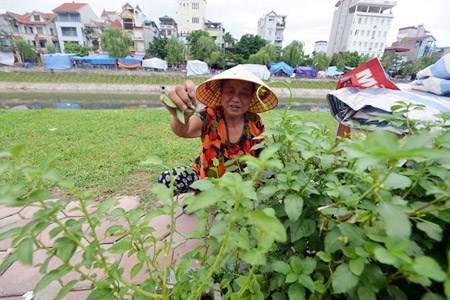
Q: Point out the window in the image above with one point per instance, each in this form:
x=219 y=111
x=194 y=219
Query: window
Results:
x=376 y=45
x=36 y=18
x=40 y=30
x=69 y=31
x=195 y=5
x=42 y=43
x=385 y=34
x=359 y=20
x=30 y=29
x=195 y=20
x=368 y=33
x=370 y=45
x=128 y=24
x=69 y=17
x=365 y=44
x=360 y=44
x=51 y=31
x=356 y=32
x=354 y=44
x=365 y=20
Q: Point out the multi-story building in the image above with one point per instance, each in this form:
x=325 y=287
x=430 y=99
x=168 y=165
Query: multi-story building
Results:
x=133 y=23
x=168 y=27
x=320 y=46
x=37 y=28
x=190 y=16
x=76 y=23
x=151 y=31
x=111 y=19
x=271 y=28
x=5 y=33
x=216 y=32
x=417 y=40
x=361 y=25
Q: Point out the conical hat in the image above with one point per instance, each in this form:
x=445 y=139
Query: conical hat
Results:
x=209 y=92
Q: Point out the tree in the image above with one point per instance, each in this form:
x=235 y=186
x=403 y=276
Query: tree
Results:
x=203 y=48
x=216 y=60
x=408 y=68
x=293 y=53
x=249 y=44
x=320 y=61
x=427 y=61
x=157 y=47
x=193 y=41
x=266 y=55
x=391 y=61
x=116 y=42
x=346 y=59
x=50 y=48
x=26 y=51
x=77 y=49
x=228 y=40
x=175 y=51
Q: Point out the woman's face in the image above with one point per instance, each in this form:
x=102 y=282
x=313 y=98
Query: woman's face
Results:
x=236 y=97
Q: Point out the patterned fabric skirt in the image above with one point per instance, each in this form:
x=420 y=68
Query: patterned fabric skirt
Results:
x=183 y=178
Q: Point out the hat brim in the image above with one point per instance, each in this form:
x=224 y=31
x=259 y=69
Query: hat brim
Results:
x=210 y=92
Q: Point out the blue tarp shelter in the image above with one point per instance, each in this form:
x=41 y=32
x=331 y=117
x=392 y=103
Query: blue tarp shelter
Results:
x=281 y=67
x=333 y=71
x=308 y=72
x=58 y=61
x=130 y=60
x=102 y=59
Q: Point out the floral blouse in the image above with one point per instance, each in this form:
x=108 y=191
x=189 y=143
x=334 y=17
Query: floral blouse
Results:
x=216 y=148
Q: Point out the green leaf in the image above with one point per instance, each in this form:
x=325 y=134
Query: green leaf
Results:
x=296 y=292
x=11 y=233
x=343 y=279
x=101 y=294
x=105 y=206
x=433 y=230
x=332 y=242
x=447 y=287
x=180 y=116
x=291 y=277
x=121 y=246
x=202 y=185
x=396 y=181
x=357 y=266
x=396 y=221
x=308 y=265
x=51 y=276
x=66 y=289
x=135 y=269
x=384 y=256
x=432 y=296
x=268 y=224
x=7 y=262
x=65 y=248
x=324 y=256
x=428 y=267
x=296 y=264
x=366 y=293
x=281 y=267
x=352 y=232
x=306 y=281
x=254 y=257
x=293 y=205
x=24 y=251
x=204 y=200
x=396 y=293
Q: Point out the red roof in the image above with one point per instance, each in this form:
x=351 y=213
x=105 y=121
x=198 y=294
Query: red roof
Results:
x=28 y=19
x=69 y=7
x=105 y=13
x=116 y=24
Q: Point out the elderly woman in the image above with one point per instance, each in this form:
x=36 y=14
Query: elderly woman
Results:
x=227 y=126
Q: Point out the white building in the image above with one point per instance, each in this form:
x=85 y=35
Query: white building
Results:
x=168 y=27
x=190 y=16
x=320 y=46
x=362 y=26
x=271 y=28
x=70 y=23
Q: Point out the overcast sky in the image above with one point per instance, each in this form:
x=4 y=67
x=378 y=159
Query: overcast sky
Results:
x=307 y=20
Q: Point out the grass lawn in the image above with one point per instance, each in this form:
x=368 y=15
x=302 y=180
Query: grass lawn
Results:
x=101 y=97
x=102 y=149
x=158 y=79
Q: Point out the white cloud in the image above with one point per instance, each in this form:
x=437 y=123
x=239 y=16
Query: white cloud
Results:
x=307 y=20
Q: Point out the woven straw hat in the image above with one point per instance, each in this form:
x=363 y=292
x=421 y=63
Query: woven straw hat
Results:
x=209 y=92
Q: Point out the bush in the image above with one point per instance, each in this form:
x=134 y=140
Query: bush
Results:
x=116 y=43
x=77 y=49
x=27 y=52
x=50 y=48
x=311 y=218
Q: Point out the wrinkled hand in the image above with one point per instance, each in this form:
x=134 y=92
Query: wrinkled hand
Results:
x=184 y=96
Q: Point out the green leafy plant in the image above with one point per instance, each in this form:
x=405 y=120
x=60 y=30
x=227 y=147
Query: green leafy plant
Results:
x=362 y=218
x=116 y=42
x=27 y=52
x=77 y=49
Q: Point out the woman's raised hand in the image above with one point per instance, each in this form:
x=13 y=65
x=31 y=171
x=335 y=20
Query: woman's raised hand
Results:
x=184 y=96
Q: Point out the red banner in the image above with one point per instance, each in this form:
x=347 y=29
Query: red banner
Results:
x=369 y=75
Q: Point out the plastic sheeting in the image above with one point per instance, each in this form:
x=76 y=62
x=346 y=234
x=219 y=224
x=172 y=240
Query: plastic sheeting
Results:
x=333 y=71
x=435 y=78
x=7 y=58
x=281 y=67
x=155 y=63
x=102 y=59
x=259 y=70
x=130 y=60
x=196 y=67
x=58 y=61
x=306 y=72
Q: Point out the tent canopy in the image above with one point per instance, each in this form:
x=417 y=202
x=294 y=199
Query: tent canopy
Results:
x=130 y=60
x=7 y=58
x=259 y=70
x=58 y=61
x=302 y=71
x=101 y=59
x=196 y=67
x=333 y=71
x=281 y=67
x=155 y=63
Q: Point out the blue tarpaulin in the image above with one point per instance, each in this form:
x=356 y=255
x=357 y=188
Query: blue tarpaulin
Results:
x=306 y=72
x=102 y=59
x=281 y=67
x=333 y=71
x=131 y=60
x=57 y=61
